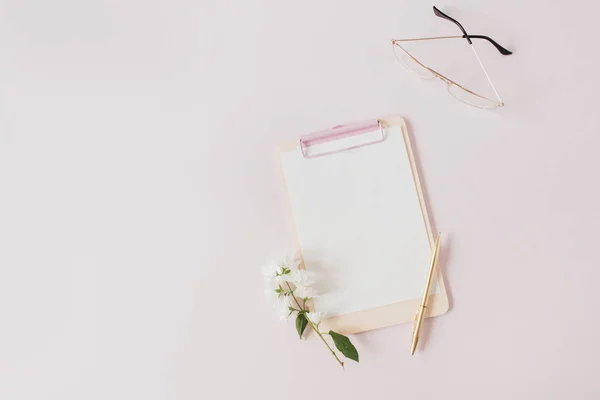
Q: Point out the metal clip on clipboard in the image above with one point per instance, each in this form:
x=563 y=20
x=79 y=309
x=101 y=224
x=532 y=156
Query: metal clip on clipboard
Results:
x=341 y=132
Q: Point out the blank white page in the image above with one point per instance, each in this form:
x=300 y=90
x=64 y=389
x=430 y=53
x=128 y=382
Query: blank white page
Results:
x=359 y=224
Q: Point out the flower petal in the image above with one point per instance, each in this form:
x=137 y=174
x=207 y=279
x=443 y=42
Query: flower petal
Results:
x=302 y=278
x=269 y=270
x=305 y=292
x=315 y=316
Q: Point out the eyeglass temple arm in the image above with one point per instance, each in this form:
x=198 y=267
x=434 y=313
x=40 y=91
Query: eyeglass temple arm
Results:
x=449 y=18
x=501 y=49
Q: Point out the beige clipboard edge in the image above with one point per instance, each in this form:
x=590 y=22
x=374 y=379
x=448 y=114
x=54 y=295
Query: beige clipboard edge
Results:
x=396 y=313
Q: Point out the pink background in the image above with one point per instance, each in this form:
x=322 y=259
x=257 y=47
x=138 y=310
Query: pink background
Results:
x=139 y=194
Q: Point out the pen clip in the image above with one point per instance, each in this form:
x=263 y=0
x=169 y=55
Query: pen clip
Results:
x=420 y=309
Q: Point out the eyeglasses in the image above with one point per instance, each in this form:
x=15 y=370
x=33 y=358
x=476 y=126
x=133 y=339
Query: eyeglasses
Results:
x=458 y=91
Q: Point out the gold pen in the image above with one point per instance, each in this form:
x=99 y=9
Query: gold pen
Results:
x=421 y=311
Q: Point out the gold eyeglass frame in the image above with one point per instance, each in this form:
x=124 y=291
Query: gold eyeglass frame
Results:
x=449 y=82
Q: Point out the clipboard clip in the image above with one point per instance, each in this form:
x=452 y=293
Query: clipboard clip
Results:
x=338 y=133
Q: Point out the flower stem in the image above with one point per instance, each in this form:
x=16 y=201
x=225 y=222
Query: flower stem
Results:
x=324 y=341
x=313 y=326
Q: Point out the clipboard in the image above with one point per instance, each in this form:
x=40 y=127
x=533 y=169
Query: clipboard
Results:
x=359 y=228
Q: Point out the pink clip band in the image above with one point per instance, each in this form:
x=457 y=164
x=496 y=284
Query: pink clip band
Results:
x=340 y=132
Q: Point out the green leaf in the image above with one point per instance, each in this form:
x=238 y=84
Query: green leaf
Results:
x=344 y=345
x=301 y=323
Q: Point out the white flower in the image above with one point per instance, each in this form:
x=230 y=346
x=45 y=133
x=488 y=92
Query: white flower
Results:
x=281 y=271
x=283 y=308
x=270 y=270
x=301 y=278
x=291 y=263
x=305 y=292
x=315 y=316
x=282 y=278
x=279 y=276
x=270 y=291
x=287 y=269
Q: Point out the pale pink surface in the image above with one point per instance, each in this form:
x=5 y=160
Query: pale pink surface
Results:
x=140 y=193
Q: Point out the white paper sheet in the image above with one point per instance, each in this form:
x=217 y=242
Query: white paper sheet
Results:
x=359 y=224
